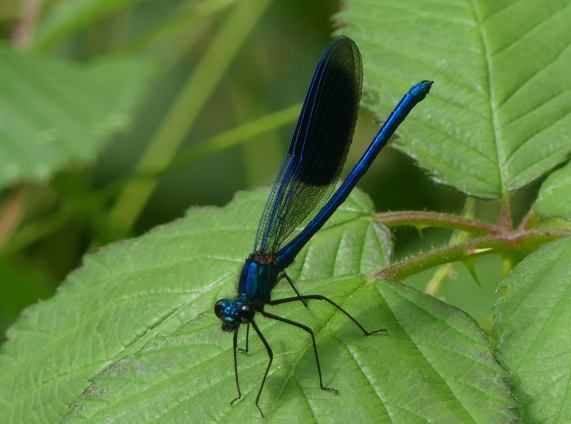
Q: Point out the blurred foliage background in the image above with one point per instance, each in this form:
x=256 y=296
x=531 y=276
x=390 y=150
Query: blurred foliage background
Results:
x=226 y=78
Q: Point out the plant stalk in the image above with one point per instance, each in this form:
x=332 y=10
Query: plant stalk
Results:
x=520 y=242
x=437 y=219
x=186 y=108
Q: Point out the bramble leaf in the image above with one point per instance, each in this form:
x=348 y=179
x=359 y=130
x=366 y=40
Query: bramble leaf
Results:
x=534 y=332
x=435 y=365
x=499 y=113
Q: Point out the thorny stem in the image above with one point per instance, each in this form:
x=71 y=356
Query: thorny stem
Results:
x=437 y=219
x=520 y=241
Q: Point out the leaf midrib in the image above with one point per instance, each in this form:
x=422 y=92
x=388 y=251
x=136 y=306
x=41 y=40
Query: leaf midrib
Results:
x=500 y=154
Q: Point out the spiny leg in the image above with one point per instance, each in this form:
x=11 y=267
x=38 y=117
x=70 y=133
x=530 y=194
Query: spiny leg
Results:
x=284 y=275
x=235 y=345
x=270 y=355
x=320 y=297
x=247 y=338
x=312 y=334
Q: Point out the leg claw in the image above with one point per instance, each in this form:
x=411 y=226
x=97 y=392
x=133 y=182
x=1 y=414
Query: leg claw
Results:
x=330 y=389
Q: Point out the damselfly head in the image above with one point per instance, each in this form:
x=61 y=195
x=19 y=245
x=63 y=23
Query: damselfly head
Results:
x=232 y=313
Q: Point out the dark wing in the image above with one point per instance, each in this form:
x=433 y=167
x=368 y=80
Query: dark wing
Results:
x=319 y=146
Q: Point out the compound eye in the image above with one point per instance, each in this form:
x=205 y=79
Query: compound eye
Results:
x=219 y=308
x=246 y=313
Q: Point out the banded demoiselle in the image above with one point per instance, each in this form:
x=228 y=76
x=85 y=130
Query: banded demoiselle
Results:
x=305 y=181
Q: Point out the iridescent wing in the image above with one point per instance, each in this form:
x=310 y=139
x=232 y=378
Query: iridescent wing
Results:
x=318 y=148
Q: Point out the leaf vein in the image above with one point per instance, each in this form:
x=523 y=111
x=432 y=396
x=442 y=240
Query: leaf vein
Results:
x=533 y=76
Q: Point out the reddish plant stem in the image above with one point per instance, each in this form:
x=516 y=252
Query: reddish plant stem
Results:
x=521 y=241
x=437 y=219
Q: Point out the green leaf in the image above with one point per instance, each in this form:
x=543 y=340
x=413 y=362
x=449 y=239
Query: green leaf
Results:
x=137 y=320
x=554 y=198
x=71 y=15
x=131 y=292
x=435 y=365
x=534 y=331
x=498 y=116
x=54 y=113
